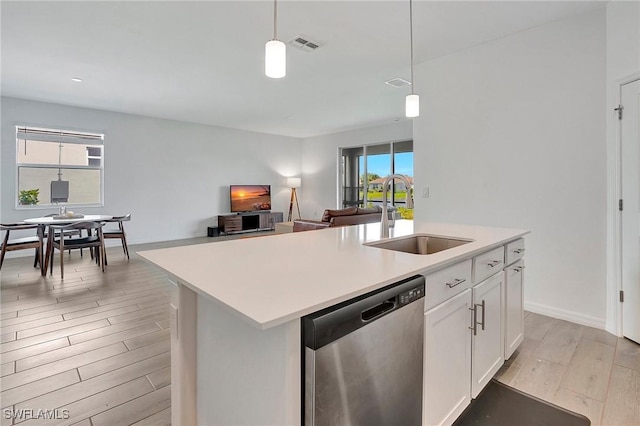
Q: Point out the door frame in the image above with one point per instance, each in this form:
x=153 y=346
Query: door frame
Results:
x=617 y=217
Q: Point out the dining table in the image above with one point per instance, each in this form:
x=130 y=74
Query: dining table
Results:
x=45 y=221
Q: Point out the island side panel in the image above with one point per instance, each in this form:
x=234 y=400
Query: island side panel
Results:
x=183 y=355
x=246 y=376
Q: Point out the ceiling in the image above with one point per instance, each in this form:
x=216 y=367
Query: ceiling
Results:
x=203 y=61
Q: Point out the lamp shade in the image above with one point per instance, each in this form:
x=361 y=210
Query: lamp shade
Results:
x=275 y=59
x=294 y=182
x=412 y=105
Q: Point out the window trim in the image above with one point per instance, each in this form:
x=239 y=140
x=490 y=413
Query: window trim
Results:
x=94 y=138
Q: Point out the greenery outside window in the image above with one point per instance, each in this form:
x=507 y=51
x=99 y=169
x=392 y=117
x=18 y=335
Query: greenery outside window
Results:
x=58 y=167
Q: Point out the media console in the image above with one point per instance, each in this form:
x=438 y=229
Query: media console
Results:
x=234 y=223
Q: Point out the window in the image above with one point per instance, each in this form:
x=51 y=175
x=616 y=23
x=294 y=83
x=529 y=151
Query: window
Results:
x=364 y=168
x=94 y=156
x=58 y=166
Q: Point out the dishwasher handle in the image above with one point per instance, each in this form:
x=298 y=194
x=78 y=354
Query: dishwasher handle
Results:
x=378 y=310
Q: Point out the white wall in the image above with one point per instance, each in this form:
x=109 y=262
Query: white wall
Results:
x=172 y=176
x=320 y=162
x=623 y=63
x=512 y=134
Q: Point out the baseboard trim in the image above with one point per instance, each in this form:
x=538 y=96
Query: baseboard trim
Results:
x=566 y=315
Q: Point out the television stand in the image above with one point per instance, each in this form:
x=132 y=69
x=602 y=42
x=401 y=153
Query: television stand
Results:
x=235 y=223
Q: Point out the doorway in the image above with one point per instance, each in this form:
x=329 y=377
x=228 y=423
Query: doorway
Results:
x=630 y=208
x=363 y=170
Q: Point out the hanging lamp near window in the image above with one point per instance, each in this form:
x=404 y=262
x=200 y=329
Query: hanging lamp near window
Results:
x=412 y=102
x=275 y=51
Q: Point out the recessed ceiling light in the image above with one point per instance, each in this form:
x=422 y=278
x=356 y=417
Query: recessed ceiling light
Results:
x=76 y=79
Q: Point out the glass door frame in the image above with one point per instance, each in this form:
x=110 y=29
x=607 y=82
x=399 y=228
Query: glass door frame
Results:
x=364 y=172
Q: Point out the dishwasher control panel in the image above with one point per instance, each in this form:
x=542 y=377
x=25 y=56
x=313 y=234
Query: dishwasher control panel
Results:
x=411 y=295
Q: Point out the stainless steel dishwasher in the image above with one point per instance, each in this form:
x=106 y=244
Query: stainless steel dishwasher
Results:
x=363 y=359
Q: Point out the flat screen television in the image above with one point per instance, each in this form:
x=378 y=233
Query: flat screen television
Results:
x=250 y=198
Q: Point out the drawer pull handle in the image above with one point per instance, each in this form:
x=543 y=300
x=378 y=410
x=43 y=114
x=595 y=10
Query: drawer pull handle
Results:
x=455 y=282
x=518 y=251
x=518 y=268
x=493 y=263
x=483 y=309
x=474 y=325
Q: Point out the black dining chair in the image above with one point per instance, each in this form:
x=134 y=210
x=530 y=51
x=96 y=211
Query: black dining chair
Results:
x=69 y=233
x=93 y=240
x=20 y=243
x=119 y=233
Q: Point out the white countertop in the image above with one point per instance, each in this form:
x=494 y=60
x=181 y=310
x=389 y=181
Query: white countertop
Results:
x=272 y=279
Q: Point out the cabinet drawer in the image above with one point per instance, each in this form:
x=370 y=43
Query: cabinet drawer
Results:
x=514 y=251
x=232 y=223
x=236 y=220
x=487 y=264
x=446 y=283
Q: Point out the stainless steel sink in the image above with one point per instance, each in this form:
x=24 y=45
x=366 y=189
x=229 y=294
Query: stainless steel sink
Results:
x=419 y=244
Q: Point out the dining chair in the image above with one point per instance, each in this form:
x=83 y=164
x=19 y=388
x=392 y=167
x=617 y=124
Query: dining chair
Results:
x=119 y=233
x=91 y=241
x=69 y=233
x=20 y=243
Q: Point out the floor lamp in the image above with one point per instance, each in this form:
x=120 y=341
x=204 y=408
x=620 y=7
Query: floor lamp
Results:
x=293 y=183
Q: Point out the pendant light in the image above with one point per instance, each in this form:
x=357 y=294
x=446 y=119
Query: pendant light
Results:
x=275 y=51
x=412 y=101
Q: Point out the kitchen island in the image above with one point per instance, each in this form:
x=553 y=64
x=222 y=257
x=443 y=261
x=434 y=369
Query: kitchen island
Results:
x=237 y=308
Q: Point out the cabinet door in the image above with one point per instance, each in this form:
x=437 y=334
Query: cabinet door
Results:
x=447 y=360
x=277 y=217
x=514 y=308
x=266 y=222
x=488 y=340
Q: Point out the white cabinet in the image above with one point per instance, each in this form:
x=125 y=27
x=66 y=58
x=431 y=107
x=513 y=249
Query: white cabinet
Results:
x=447 y=360
x=514 y=251
x=487 y=264
x=514 y=307
x=473 y=310
x=487 y=348
x=447 y=282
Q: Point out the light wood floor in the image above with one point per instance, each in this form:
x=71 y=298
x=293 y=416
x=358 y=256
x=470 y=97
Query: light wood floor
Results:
x=97 y=346
x=583 y=369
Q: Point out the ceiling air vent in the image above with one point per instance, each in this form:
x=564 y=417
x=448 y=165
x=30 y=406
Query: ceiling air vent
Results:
x=398 y=82
x=303 y=43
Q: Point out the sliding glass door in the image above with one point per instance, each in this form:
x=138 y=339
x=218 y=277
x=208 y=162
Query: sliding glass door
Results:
x=363 y=170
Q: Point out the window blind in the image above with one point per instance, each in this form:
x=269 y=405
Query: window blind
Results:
x=62 y=136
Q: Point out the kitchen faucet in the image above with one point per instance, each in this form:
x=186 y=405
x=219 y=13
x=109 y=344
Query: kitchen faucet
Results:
x=384 y=231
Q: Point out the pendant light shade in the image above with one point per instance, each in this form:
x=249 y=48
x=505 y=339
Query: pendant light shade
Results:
x=275 y=59
x=275 y=51
x=412 y=102
x=412 y=105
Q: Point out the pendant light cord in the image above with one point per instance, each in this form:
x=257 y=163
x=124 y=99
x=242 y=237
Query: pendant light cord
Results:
x=411 y=40
x=275 y=19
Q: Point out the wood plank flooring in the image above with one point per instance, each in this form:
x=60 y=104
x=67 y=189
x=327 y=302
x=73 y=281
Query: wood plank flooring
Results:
x=96 y=348
x=580 y=368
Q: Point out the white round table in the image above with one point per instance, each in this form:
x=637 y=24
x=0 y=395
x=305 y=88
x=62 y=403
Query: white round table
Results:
x=52 y=220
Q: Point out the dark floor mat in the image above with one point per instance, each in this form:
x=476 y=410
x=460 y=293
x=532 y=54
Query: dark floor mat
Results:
x=502 y=405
